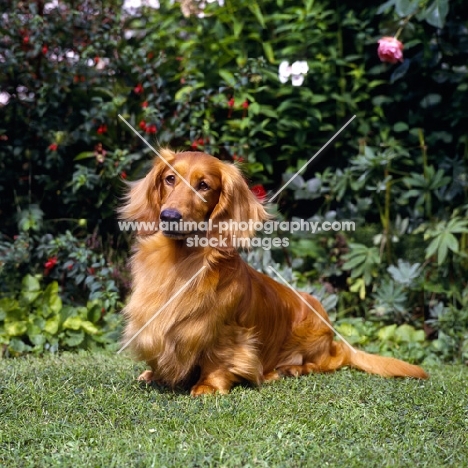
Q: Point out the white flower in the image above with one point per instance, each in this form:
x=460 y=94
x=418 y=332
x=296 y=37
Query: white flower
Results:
x=297 y=80
x=49 y=6
x=296 y=71
x=299 y=68
x=4 y=98
x=131 y=6
x=72 y=56
x=284 y=69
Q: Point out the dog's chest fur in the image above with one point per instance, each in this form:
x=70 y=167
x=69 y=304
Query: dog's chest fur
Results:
x=180 y=320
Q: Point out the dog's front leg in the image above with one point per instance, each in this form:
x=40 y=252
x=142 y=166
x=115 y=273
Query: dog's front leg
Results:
x=213 y=380
x=233 y=359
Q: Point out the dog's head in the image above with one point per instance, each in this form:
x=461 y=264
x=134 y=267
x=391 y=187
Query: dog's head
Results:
x=187 y=191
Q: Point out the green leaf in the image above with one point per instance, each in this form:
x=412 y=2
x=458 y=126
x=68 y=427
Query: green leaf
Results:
x=385 y=6
x=269 y=52
x=84 y=155
x=18 y=346
x=354 y=261
x=89 y=327
x=183 y=93
x=52 y=298
x=405 y=273
x=74 y=338
x=430 y=100
x=350 y=332
x=297 y=181
x=400 y=127
x=400 y=71
x=35 y=335
x=52 y=325
x=359 y=286
x=442 y=252
x=30 y=289
x=73 y=323
x=405 y=8
x=386 y=333
x=16 y=328
x=228 y=77
x=436 y=13
x=237 y=27
x=451 y=241
x=347 y=330
x=255 y=9
x=432 y=247
x=407 y=333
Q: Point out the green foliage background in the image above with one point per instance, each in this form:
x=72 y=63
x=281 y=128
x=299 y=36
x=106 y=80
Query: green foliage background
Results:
x=398 y=284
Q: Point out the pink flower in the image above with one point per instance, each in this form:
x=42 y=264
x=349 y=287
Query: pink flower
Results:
x=390 y=50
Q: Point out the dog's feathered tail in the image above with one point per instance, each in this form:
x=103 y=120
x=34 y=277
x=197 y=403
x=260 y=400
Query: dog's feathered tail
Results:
x=373 y=364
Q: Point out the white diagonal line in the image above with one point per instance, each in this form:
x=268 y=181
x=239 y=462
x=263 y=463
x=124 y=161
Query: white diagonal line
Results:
x=310 y=307
x=161 y=309
x=312 y=158
x=158 y=154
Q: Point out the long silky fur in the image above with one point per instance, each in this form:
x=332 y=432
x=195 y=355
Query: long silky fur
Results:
x=231 y=323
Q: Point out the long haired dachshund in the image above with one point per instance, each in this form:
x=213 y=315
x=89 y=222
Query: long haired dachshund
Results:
x=200 y=316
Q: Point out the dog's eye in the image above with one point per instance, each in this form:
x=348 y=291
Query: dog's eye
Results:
x=170 y=180
x=203 y=186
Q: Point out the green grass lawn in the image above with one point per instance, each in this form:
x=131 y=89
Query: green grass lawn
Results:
x=88 y=411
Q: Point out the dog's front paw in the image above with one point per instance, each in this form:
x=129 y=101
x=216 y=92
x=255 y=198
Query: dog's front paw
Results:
x=207 y=389
x=147 y=376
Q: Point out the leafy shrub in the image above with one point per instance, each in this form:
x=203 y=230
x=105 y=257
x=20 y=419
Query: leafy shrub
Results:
x=35 y=320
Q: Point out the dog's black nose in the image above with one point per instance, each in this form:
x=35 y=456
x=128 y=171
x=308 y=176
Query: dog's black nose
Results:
x=170 y=215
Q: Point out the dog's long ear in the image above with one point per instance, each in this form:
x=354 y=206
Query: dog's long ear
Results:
x=142 y=202
x=237 y=206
